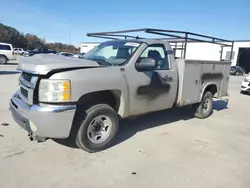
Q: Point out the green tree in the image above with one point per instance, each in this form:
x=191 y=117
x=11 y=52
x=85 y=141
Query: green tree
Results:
x=30 y=41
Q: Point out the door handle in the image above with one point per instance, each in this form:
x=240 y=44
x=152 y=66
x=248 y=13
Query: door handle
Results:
x=167 y=78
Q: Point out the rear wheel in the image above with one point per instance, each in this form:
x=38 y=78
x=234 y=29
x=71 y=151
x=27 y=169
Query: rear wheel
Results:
x=98 y=128
x=204 y=108
x=3 y=59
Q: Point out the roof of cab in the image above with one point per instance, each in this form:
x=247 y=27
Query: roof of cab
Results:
x=5 y=43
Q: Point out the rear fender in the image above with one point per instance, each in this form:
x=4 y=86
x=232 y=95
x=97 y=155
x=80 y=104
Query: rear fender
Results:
x=206 y=85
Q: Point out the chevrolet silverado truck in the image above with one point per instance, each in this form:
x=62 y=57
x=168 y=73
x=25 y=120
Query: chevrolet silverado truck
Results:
x=83 y=99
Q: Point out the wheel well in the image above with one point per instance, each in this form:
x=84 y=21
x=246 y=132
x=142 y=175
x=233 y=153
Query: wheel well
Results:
x=212 y=88
x=110 y=97
x=4 y=56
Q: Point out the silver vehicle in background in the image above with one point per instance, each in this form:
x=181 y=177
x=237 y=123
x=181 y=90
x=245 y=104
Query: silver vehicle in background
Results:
x=19 y=51
x=83 y=99
x=79 y=55
x=6 y=53
x=245 y=85
x=66 y=54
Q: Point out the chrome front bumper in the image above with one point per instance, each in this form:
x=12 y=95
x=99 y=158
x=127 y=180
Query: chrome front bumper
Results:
x=50 y=121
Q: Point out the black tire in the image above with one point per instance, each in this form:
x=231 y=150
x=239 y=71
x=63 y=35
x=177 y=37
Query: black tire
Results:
x=82 y=139
x=243 y=92
x=199 y=109
x=3 y=59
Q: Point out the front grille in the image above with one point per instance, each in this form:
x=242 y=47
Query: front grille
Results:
x=27 y=76
x=28 y=84
x=24 y=92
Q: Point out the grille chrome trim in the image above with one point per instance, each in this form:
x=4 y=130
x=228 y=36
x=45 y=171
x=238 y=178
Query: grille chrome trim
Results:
x=27 y=84
x=28 y=80
x=24 y=92
x=30 y=93
x=26 y=76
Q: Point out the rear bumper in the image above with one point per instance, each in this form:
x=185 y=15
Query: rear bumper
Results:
x=50 y=121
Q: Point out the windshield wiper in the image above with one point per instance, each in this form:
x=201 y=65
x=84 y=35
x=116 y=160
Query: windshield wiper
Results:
x=101 y=61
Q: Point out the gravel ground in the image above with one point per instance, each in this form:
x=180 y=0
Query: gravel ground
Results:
x=164 y=149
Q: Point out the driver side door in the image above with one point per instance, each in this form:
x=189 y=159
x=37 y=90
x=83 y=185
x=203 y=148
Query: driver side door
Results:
x=152 y=89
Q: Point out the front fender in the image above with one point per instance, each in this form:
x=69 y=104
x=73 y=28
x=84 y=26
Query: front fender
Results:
x=89 y=80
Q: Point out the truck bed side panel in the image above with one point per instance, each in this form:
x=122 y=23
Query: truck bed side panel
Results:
x=196 y=75
x=212 y=74
x=192 y=86
x=225 y=81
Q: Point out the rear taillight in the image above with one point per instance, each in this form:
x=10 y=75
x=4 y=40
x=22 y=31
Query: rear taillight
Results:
x=12 y=52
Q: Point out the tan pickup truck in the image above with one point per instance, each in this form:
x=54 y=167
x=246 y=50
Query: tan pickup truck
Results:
x=83 y=99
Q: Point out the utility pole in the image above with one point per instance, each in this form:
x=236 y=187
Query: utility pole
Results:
x=69 y=37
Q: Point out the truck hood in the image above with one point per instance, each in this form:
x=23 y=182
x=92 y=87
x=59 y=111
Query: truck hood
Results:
x=44 y=63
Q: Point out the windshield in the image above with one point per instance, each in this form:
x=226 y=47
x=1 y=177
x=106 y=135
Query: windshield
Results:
x=112 y=52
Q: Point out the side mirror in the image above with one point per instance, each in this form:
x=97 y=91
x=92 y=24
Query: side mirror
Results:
x=146 y=64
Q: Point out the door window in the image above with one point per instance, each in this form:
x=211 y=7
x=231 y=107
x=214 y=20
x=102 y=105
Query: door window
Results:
x=4 y=47
x=158 y=53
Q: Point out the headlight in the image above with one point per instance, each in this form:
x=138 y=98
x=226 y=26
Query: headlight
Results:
x=54 y=90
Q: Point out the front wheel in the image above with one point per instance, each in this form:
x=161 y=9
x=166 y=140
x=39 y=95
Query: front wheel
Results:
x=204 y=108
x=98 y=128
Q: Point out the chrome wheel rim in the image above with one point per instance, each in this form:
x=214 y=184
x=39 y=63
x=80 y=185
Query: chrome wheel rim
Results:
x=2 y=60
x=206 y=105
x=99 y=129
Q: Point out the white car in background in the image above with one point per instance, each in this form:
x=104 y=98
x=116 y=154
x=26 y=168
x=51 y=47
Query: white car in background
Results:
x=245 y=86
x=79 y=55
x=19 y=51
x=67 y=54
x=6 y=53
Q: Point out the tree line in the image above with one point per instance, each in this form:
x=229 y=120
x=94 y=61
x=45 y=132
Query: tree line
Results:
x=30 y=41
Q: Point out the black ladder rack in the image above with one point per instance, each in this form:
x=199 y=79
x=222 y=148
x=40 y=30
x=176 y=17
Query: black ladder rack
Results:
x=177 y=39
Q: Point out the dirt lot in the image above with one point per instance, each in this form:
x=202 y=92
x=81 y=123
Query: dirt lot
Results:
x=165 y=149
